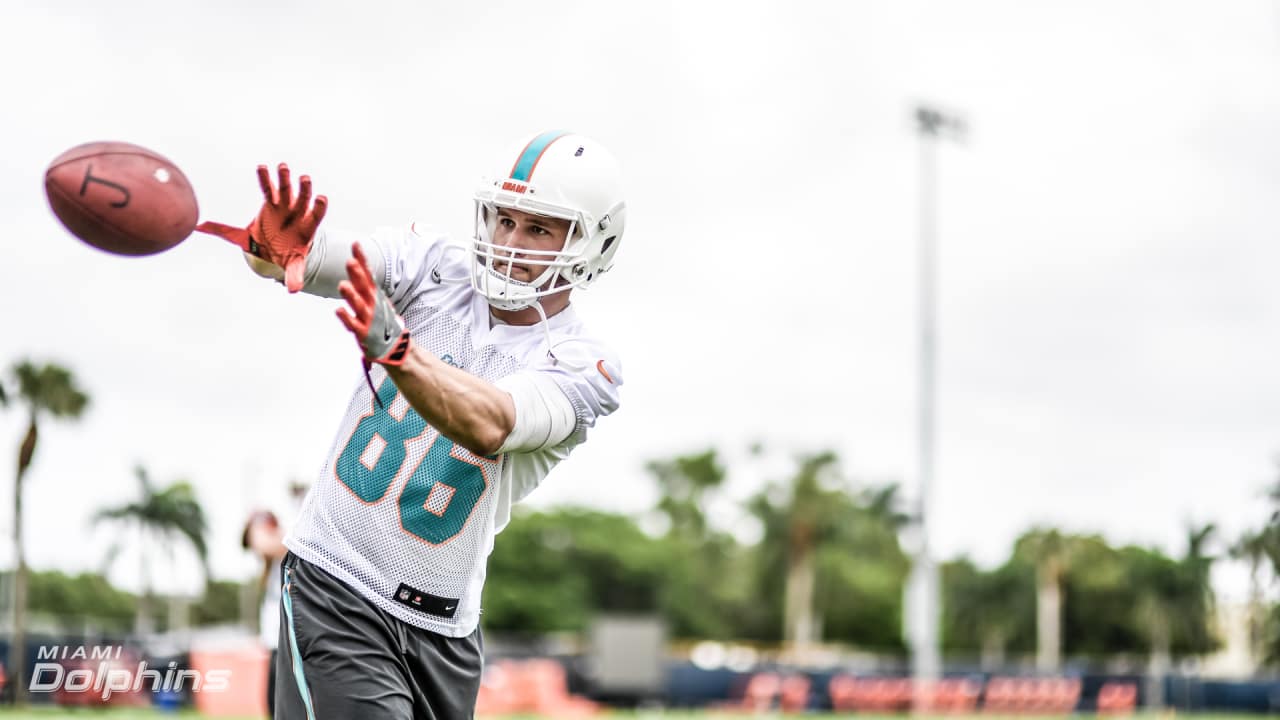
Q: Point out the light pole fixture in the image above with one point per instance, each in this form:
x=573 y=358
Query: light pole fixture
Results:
x=923 y=611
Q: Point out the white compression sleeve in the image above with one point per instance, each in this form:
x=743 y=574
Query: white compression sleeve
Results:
x=327 y=261
x=544 y=415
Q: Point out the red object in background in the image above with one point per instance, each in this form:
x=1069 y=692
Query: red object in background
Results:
x=1117 y=698
x=246 y=690
x=127 y=663
x=537 y=686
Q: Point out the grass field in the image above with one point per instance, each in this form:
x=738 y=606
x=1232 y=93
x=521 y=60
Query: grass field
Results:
x=127 y=714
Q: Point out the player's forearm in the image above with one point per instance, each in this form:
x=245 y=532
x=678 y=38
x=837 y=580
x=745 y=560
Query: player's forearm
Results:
x=464 y=408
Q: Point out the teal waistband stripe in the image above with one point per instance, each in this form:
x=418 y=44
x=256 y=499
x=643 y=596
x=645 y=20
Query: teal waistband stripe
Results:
x=298 y=675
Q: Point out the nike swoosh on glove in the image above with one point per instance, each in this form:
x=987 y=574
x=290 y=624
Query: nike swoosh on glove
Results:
x=281 y=232
x=378 y=328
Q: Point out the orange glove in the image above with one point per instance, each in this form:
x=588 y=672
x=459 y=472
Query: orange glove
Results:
x=378 y=328
x=282 y=231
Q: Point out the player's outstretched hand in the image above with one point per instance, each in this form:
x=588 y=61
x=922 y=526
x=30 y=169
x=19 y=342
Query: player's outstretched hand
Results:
x=282 y=231
x=372 y=318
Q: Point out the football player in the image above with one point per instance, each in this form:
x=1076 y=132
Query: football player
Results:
x=479 y=379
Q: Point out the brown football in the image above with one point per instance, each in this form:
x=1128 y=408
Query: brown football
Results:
x=121 y=198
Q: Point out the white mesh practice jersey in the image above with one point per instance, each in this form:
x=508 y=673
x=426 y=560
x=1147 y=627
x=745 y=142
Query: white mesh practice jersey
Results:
x=401 y=513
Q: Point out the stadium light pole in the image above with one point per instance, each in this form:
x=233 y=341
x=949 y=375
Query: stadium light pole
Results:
x=924 y=607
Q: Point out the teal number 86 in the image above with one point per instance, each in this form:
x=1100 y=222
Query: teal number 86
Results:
x=443 y=489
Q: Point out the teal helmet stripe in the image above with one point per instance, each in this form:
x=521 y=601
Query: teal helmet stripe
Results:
x=528 y=159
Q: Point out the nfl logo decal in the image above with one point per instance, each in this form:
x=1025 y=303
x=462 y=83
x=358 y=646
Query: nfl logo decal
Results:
x=424 y=601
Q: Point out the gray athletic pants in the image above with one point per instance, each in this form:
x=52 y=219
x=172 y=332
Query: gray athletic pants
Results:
x=342 y=657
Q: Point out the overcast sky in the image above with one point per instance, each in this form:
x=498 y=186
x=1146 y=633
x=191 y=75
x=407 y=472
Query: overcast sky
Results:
x=1110 y=319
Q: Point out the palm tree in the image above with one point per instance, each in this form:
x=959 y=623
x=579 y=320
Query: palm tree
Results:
x=1261 y=548
x=686 y=484
x=986 y=610
x=1252 y=548
x=1049 y=550
x=161 y=515
x=807 y=521
x=46 y=390
x=1196 y=603
x=884 y=504
x=1174 y=606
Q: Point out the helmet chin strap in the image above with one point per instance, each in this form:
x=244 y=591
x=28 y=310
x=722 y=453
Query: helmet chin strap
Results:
x=535 y=303
x=546 y=334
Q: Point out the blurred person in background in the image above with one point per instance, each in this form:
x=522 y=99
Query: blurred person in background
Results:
x=265 y=538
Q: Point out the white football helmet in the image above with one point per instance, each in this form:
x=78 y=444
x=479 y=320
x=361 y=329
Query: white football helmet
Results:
x=560 y=175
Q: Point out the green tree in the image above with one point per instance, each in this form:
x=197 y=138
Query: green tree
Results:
x=160 y=516
x=1127 y=600
x=46 y=390
x=1138 y=600
x=799 y=517
x=686 y=484
x=707 y=587
x=219 y=605
x=837 y=552
x=1253 y=546
x=77 y=601
x=1049 y=551
x=1261 y=548
x=550 y=571
x=1099 y=595
x=1195 y=604
x=1173 y=606
x=988 y=612
x=861 y=568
